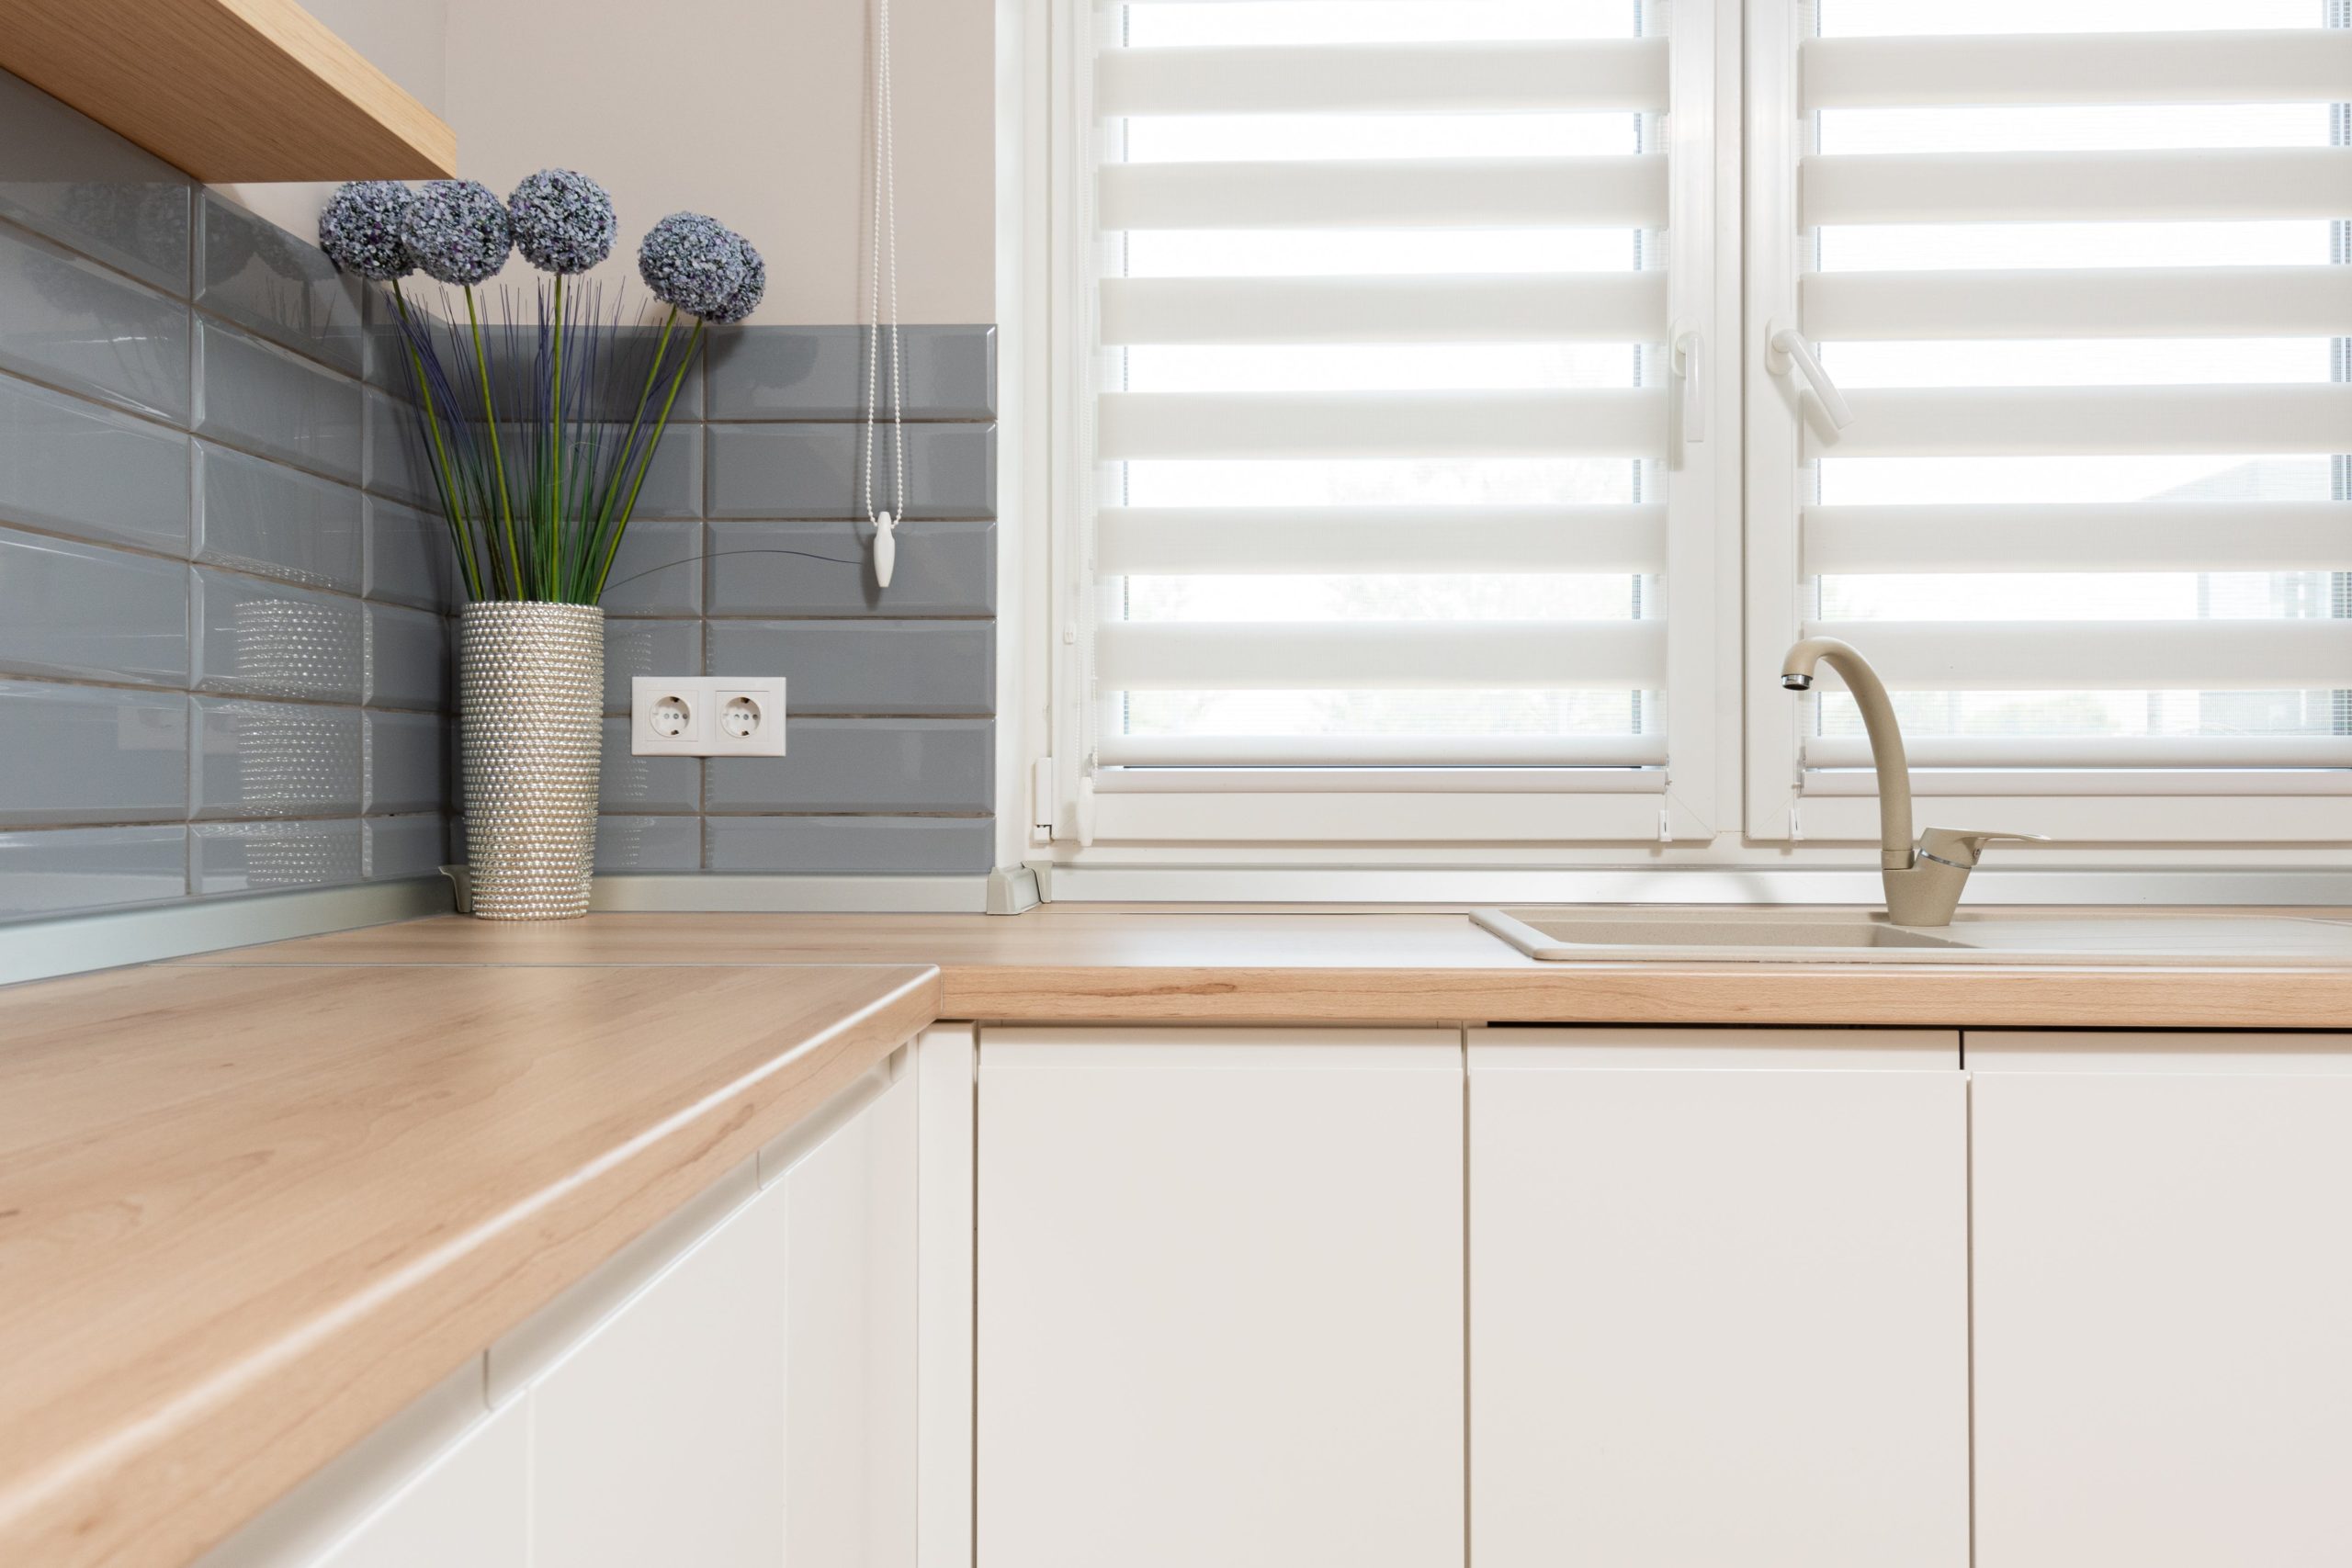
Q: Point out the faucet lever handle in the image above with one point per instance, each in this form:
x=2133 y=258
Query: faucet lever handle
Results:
x=1961 y=846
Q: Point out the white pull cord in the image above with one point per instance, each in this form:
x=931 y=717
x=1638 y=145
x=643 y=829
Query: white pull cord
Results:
x=1788 y=346
x=885 y=238
x=1691 y=363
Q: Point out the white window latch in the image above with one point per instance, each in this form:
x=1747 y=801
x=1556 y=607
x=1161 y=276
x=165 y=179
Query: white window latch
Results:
x=1689 y=360
x=1789 y=350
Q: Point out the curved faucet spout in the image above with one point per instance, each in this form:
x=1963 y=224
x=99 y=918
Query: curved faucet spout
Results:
x=1878 y=720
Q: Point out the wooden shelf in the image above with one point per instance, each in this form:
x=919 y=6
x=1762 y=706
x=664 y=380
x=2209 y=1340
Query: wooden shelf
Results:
x=228 y=90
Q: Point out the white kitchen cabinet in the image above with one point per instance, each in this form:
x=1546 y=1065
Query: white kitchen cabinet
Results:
x=468 y=1509
x=2163 y=1252
x=1220 y=1298
x=1718 y=1298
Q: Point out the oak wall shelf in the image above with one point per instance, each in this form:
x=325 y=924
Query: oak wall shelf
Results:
x=228 y=90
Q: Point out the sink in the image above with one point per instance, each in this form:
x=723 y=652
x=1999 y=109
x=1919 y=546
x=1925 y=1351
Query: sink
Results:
x=1858 y=936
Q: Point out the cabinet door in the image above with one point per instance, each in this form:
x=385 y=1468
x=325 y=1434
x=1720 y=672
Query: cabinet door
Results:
x=468 y=1509
x=2162 y=1299
x=1718 y=1299
x=1220 y=1299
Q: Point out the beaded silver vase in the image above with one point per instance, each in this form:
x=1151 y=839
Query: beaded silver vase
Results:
x=531 y=683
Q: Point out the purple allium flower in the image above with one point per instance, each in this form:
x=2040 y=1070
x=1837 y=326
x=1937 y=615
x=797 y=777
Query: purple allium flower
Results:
x=562 y=220
x=746 y=297
x=694 y=262
x=457 y=232
x=360 y=229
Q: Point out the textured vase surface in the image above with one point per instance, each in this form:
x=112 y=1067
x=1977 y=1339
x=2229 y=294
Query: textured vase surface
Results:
x=531 y=700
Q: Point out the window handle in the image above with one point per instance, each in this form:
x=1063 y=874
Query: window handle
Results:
x=1787 y=346
x=1689 y=363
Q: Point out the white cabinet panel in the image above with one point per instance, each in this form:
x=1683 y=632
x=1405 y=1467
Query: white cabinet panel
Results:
x=1718 y=1304
x=659 y=1439
x=1220 y=1299
x=850 y=1343
x=2162 y=1299
x=469 y=1509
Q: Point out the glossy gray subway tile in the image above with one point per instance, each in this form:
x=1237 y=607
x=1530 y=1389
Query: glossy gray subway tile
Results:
x=410 y=557
x=624 y=357
x=273 y=857
x=647 y=844
x=924 y=668
x=406 y=846
x=818 y=470
x=71 y=465
x=673 y=481
x=67 y=321
x=917 y=765
x=256 y=757
x=629 y=782
x=821 y=372
x=72 y=753
x=267 y=399
x=658 y=570
x=407 y=763
x=58 y=871
x=65 y=176
x=827 y=846
x=260 y=516
x=827 y=568
x=271 y=640
x=87 y=611
x=409 y=658
x=277 y=285
x=648 y=647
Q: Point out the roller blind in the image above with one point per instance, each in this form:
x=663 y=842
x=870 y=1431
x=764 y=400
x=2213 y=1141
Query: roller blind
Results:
x=1381 y=400
x=2079 y=268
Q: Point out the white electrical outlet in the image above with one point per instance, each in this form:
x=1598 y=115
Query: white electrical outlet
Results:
x=705 y=716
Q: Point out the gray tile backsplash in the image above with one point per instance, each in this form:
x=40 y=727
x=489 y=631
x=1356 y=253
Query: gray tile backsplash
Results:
x=226 y=664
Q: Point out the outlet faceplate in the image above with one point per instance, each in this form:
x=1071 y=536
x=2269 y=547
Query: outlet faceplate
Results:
x=705 y=716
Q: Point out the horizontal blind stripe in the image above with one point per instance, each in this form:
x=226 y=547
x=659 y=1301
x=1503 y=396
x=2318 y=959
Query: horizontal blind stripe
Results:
x=1610 y=192
x=1132 y=656
x=1522 y=76
x=1604 y=306
x=2284 y=65
x=1379 y=750
x=2092 y=751
x=1230 y=540
x=2125 y=656
x=1609 y=423
x=2218 y=183
x=1979 y=421
x=2127 y=537
x=2208 y=301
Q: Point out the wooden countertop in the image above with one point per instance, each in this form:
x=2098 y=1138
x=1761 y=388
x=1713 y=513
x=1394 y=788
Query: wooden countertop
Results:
x=1133 y=964
x=246 y=1214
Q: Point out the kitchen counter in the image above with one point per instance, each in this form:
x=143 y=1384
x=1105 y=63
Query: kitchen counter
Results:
x=1144 y=965
x=247 y=1213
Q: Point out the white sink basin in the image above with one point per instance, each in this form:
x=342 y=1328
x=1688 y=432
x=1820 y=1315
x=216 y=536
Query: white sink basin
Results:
x=1857 y=936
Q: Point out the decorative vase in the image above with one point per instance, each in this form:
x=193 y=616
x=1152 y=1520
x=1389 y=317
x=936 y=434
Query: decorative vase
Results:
x=531 y=683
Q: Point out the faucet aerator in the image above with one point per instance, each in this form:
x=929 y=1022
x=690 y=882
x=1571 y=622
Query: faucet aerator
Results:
x=1797 y=682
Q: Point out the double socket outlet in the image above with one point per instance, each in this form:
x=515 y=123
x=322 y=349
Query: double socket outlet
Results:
x=705 y=716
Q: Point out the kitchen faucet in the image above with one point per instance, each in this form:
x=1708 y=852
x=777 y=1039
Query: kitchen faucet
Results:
x=1923 y=880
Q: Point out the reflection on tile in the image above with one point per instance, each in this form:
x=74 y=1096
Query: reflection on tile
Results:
x=793 y=372
x=91 y=754
x=410 y=557
x=645 y=784
x=258 y=396
x=65 y=175
x=62 y=869
x=84 y=610
x=81 y=469
x=817 y=470
x=407 y=846
x=269 y=857
x=648 y=647
x=265 y=517
x=819 y=846
x=921 y=765
x=396 y=464
x=265 y=759
x=826 y=568
x=276 y=283
x=658 y=571
x=408 y=658
x=937 y=667
x=73 y=323
x=626 y=844
x=407 y=763
x=265 y=640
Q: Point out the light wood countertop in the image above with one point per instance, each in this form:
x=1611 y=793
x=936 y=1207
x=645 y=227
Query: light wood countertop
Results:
x=246 y=1214
x=1137 y=964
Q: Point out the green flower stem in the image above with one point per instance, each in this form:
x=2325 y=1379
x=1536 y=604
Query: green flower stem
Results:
x=620 y=469
x=459 y=535
x=555 y=435
x=646 y=462
x=490 y=416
